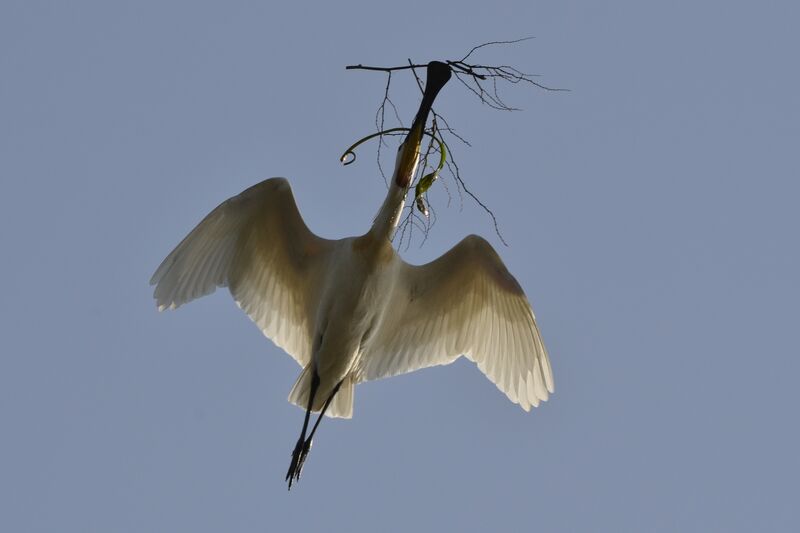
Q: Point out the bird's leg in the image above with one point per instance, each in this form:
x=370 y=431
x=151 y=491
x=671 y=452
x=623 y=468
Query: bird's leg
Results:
x=322 y=413
x=300 y=448
x=304 y=449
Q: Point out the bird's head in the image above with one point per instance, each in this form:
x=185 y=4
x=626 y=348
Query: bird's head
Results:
x=409 y=150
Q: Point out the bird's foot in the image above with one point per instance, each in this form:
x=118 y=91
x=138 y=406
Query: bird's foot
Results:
x=303 y=455
x=298 y=459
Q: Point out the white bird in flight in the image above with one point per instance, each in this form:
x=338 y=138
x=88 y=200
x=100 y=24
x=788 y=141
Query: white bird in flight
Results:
x=351 y=310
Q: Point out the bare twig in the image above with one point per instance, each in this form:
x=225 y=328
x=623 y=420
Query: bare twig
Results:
x=380 y=116
x=492 y=43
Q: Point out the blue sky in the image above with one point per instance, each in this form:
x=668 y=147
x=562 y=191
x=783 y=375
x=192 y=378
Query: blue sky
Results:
x=651 y=215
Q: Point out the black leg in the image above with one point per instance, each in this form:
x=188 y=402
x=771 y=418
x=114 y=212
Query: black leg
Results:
x=303 y=446
x=322 y=413
x=295 y=466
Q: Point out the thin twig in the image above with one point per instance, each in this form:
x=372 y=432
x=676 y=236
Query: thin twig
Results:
x=492 y=43
x=382 y=69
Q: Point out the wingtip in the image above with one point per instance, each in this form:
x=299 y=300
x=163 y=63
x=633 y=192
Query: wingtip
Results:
x=166 y=307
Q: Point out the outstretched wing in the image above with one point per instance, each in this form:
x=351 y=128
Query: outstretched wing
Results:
x=257 y=245
x=464 y=302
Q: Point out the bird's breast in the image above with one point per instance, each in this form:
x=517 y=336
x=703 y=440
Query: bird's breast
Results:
x=358 y=288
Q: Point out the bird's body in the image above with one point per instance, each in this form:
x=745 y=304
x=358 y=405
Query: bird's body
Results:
x=349 y=311
x=352 y=310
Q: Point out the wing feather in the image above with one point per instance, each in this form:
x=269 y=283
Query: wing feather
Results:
x=257 y=245
x=464 y=303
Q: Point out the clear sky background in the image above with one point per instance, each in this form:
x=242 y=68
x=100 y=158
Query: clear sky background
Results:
x=652 y=219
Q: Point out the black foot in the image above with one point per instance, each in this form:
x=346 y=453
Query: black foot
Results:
x=298 y=459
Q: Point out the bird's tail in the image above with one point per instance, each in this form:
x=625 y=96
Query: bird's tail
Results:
x=342 y=404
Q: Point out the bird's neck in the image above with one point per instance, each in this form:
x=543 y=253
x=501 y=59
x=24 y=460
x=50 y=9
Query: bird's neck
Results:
x=387 y=219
